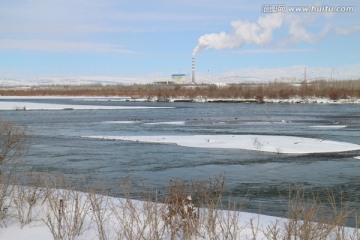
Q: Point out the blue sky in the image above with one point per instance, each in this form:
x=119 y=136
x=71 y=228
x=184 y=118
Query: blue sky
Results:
x=141 y=40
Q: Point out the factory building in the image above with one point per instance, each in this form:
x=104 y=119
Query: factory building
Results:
x=178 y=78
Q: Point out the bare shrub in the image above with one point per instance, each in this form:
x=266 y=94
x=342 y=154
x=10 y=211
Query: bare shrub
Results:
x=69 y=214
x=334 y=94
x=66 y=211
x=13 y=149
x=202 y=215
x=180 y=216
x=273 y=231
x=138 y=219
x=99 y=204
x=25 y=198
x=259 y=99
x=321 y=88
x=77 y=210
x=54 y=216
x=311 y=218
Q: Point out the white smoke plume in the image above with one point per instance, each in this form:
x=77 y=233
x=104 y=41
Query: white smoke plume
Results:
x=244 y=32
x=261 y=32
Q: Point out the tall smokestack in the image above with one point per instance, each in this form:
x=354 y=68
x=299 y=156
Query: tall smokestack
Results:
x=193 y=70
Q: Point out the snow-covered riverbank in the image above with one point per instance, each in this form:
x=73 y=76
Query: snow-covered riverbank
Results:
x=64 y=214
x=264 y=100
x=187 y=99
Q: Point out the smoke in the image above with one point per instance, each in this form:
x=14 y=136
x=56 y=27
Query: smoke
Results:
x=261 y=32
x=244 y=32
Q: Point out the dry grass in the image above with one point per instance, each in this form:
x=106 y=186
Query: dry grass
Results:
x=69 y=214
x=273 y=90
x=311 y=218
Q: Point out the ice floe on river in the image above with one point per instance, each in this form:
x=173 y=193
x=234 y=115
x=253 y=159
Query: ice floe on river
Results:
x=329 y=126
x=265 y=143
x=120 y=122
x=167 y=123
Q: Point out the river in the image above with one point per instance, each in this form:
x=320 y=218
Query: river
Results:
x=259 y=180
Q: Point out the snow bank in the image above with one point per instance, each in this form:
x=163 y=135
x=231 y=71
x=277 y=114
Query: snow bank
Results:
x=47 y=106
x=275 y=144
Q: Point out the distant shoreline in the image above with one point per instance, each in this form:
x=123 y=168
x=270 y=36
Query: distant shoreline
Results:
x=263 y=101
x=200 y=99
x=331 y=92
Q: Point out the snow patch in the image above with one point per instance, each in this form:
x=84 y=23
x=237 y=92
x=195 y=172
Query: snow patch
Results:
x=265 y=143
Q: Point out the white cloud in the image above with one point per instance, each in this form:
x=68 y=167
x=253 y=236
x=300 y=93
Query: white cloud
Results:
x=347 y=31
x=298 y=31
x=276 y=50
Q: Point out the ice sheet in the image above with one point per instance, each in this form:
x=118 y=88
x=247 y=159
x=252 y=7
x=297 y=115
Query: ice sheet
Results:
x=266 y=143
x=329 y=126
x=167 y=123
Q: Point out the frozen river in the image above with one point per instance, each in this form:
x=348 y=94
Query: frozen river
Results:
x=61 y=142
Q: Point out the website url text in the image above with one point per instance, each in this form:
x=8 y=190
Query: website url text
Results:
x=281 y=8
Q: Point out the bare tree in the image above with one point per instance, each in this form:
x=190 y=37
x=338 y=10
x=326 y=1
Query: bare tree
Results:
x=13 y=143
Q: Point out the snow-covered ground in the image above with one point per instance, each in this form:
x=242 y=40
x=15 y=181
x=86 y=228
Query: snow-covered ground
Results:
x=62 y=214
x=46 y=106
x=266 y=143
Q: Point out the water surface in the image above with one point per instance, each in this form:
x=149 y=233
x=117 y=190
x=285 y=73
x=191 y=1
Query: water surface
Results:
x=257 y=179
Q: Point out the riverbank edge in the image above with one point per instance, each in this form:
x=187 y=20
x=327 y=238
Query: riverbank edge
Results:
x=198 y=99
x=201 y=99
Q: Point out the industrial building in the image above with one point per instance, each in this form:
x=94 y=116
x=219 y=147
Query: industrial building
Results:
x=178 y=78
